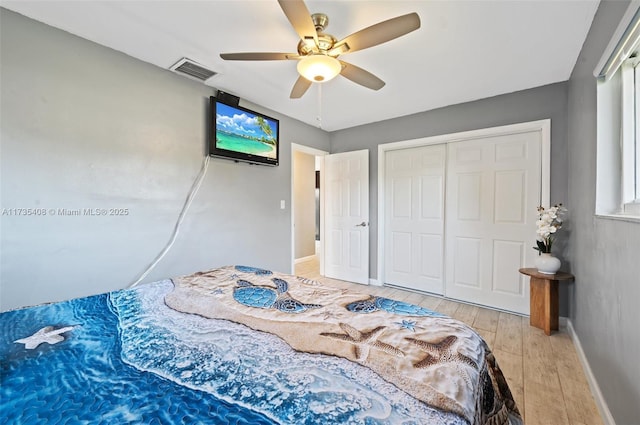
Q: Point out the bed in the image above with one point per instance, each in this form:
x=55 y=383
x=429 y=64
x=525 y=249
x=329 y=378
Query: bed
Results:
x=243 y=345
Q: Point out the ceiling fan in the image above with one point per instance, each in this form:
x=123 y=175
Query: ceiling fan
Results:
x=318 y=51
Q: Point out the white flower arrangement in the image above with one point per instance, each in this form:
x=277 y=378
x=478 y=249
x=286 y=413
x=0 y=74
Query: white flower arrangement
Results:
x=549 y=222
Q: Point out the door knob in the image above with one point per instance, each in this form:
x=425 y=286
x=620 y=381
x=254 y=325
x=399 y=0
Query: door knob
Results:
x=363 y=224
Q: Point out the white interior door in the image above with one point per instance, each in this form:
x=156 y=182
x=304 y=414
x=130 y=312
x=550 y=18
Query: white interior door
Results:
x=347 y=216
x=414 y=218
x=493 y=188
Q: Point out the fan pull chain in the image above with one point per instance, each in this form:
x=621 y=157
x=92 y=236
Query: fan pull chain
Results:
x=319 y=116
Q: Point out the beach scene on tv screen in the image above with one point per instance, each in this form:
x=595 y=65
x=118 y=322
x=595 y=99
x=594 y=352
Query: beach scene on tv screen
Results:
x=240 y=131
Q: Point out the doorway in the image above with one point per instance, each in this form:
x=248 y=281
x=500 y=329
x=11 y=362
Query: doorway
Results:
x=306 y=207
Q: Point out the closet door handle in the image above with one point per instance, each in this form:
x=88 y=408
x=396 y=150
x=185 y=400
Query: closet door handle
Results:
x=363 y=224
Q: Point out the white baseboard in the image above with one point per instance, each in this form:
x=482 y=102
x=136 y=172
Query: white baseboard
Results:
x=601 y=403
x=375 y=282
x=307 y=258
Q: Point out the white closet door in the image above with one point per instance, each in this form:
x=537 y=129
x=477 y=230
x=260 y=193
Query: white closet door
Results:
x=493 y=188
x=414 y=218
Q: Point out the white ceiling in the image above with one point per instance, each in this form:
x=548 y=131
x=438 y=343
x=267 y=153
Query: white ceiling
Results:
x=465 y=50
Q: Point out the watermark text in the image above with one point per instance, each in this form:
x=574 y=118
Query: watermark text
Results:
x=64 y=212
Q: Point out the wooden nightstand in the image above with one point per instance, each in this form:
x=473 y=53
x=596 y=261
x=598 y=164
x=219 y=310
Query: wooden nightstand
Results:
x=544 y=298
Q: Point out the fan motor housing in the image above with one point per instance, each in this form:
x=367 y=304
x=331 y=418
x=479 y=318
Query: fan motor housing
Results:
x=325 y=43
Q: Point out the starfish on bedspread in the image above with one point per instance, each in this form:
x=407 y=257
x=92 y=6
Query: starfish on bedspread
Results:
x=363 y=341
x=408 y=324
x=440 y=353
x=47 y=334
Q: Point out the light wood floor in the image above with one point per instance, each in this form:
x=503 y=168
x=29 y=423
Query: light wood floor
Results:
x=543 y=372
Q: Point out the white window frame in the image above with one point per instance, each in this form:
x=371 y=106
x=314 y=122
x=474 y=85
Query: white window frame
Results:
x=637 y=138
x=618 y=106
x=630 y=146
x=636 y=199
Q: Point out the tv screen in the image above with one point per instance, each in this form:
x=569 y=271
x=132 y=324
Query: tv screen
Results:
x=243 y=135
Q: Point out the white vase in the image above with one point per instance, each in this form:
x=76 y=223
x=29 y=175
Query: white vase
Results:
x=547 y=263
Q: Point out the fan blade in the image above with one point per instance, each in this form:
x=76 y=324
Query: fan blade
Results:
x=259 y=56
x=300 y=18
x=378 y=34
x=360 y=76
x=300 y=87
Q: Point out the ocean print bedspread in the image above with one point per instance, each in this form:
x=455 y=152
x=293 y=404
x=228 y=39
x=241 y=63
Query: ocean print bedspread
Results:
x=240 y=345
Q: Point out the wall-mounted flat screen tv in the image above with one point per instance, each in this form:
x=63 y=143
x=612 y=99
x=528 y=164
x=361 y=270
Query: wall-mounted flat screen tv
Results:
x=243 y=135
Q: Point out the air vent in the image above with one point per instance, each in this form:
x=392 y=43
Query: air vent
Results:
x=192 y=69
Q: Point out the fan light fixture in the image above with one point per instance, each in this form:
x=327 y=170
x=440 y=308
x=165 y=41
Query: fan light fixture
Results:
x=317 y=52
x=319 y=68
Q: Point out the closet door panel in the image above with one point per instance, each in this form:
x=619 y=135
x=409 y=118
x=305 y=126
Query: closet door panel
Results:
x=414 y=218
x=493 y=190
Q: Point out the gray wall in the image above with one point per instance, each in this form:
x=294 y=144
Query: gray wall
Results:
x=83 y=126
x=304 y=201
x=528 y=105
x=605 y=253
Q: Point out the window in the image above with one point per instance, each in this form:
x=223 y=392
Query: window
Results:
x=618 y=146
x=630 y=145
